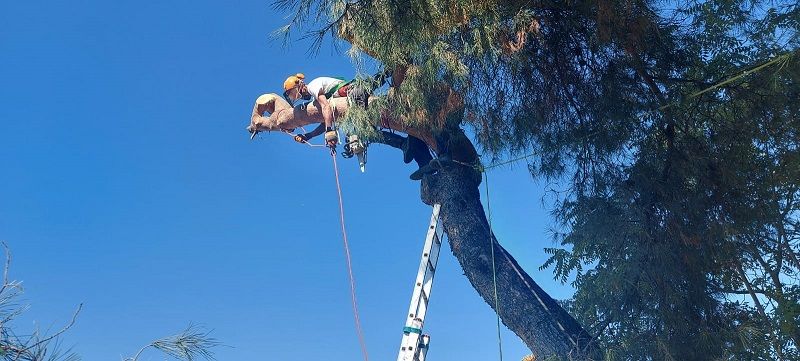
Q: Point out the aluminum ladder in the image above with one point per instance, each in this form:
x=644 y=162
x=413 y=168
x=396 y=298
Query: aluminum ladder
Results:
x=414 y=345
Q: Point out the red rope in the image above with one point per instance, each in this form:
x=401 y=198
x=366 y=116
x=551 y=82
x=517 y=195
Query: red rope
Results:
x=349 y=264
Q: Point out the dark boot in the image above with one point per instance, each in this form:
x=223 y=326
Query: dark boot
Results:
x=432 y=167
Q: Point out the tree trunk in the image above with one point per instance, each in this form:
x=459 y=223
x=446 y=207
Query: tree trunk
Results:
x=528 y=311
x=524 y=307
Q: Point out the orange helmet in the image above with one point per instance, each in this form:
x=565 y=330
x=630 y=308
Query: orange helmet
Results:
x=293 y=81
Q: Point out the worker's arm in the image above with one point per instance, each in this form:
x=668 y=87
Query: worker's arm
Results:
x=325 y=109
x=301 y=138
x=331 y=138
x=317 y=131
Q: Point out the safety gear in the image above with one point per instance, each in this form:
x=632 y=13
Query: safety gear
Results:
x=331 y=138
x=301 y=138
x=355 y=147
x=293 y=81
x=336 y=89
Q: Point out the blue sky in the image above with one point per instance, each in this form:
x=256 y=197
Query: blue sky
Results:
x=127 y=183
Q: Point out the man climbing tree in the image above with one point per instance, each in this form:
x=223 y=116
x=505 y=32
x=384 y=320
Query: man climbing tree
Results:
x=358 y=91
x=327 y=97
x=283 y=118
x=318 y=90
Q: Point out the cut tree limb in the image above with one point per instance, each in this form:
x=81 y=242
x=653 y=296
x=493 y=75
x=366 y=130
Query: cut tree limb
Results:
x=285 y=117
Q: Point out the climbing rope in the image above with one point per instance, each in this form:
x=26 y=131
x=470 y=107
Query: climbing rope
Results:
x=346 y=246
x=494 y=266
x=779 y=59
x=783 y=58
x=514 y=268
x=484 y=170
x=349 y=263
x=305 y=142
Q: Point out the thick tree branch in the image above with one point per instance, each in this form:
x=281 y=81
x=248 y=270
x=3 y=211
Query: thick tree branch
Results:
x=524 y=307
x=775 y=342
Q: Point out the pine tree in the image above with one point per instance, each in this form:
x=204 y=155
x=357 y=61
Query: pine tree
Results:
x=193 y=343
x=673 y=128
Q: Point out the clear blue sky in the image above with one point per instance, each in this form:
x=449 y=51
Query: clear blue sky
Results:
x=127 y=182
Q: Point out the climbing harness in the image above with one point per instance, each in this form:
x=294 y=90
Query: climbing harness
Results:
x=347 y=249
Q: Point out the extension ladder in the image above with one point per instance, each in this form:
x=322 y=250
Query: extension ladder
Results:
x=414 y=346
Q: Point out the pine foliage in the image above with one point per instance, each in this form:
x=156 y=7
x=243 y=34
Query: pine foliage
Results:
x=671 y=128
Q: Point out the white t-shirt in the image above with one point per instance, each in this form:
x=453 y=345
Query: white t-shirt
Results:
x=324 y=84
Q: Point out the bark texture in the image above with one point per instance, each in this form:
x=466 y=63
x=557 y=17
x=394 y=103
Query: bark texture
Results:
x=546 y=328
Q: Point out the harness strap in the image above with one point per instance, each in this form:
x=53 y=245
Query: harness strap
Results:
x=336 y=87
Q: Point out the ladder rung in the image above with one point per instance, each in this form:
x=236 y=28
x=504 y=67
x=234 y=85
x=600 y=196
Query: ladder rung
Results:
x=431 y=268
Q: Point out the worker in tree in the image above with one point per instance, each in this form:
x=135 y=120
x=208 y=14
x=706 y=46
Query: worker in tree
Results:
x=324 y=88
x=317 y=90
x=273 y=105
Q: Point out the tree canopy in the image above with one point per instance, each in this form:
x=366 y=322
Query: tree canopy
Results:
x=671 y=129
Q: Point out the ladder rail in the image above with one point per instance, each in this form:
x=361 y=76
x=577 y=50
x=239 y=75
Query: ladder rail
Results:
x=414 y=345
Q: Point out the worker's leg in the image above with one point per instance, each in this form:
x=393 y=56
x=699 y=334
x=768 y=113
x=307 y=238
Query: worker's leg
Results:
x=397 y=141
x=414 y=148
x=424 y=135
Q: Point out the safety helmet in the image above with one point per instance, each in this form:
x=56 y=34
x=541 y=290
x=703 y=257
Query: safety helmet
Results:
x=293 y=81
